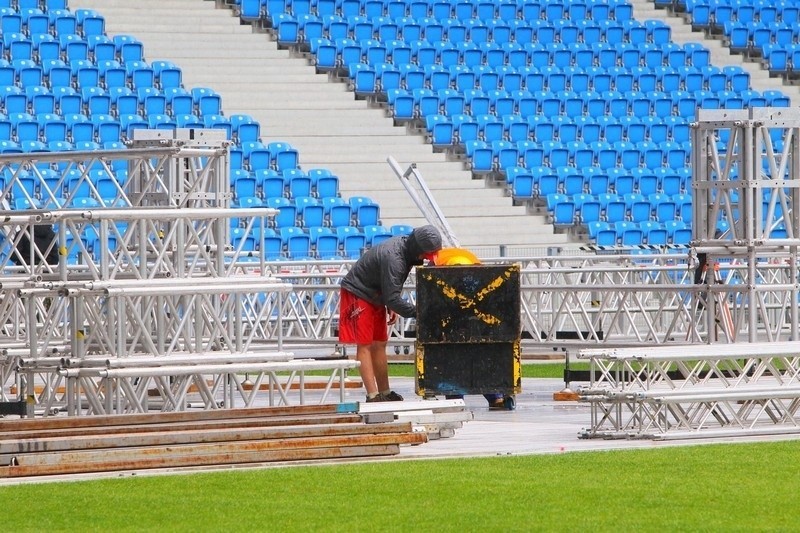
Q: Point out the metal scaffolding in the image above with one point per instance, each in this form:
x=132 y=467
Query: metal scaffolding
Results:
x=744 y=380
x=139 y=271
x=146 y=268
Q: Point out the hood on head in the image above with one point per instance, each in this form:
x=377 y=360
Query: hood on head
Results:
x=425 y=239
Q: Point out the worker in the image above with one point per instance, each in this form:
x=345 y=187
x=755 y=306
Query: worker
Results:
x=371 y=298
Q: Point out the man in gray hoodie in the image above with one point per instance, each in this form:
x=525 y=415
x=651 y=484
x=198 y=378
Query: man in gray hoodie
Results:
x=373 y=285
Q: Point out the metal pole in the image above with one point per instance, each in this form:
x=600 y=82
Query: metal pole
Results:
x=424 y=200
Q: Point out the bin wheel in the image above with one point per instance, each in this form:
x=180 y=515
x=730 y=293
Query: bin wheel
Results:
x=405 y=350
x=510 y=403
x=397 y=350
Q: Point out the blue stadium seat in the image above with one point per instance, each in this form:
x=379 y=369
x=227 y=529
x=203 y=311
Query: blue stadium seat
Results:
x=338 y=211
x=324 y=242
x=220 y=122
x=296 y=242
x=324 y=183
x=296 y=182
x=270 y=243
x=287 y=212
x=351 y=241
x=310 y=211
x=375 y=234
x=124 y=101
x=440 y=131
x=106 y=128
x=270 y=183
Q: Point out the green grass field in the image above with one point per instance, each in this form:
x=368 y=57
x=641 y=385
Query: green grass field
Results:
x=730 y=487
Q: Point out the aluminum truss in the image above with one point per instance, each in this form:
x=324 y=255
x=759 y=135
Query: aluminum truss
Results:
x=746 y=183
x=145 y=273
x=693 y=391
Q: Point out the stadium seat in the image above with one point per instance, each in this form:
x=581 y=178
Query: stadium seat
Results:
x=324 y=183
x=296 y=242
x=311 y=213
x=324 y=242
x=337 y=211
x=351 y=241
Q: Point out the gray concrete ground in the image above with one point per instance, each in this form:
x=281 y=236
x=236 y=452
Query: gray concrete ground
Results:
x=537 y=425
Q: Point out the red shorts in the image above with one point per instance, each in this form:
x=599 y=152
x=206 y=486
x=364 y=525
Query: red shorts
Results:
x=361 y=322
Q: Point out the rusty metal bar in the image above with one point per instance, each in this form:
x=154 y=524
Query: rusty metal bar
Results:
x=265 y=456
x=209 y=454
x=120 y=441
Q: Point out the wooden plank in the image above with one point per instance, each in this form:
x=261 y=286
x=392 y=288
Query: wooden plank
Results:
x=184 y=437
x=197 y=454
x=261 y=456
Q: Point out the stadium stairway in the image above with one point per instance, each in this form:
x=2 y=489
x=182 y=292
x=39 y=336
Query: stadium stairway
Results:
x=328 y=126
x=721 y=55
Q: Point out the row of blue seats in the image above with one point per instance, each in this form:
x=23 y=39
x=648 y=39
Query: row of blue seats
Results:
x=332 y=211
x=47 y=182
x=290 y=242
x=420 y=103
x=14 y=147
x=498 y=155
x=45 y=5
x=80 y=73
x=525 y=184
x=316 y=242
x=32 y=21
x=384 y=78
x=103 y=128
x=481 y=82
x=537 y=182
x=459 y=130
x=117 y=101
x=583 y=209
x=41 y=46
x=254 y=10
x=310 y=27
x=626 y=233
x=752 y=37
x=707 y=13
x=45 y=46
x=291 y=183
x=255 y=155
x=559 y=128
x=343 y=52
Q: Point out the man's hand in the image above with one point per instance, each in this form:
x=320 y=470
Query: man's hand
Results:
x=392 y=318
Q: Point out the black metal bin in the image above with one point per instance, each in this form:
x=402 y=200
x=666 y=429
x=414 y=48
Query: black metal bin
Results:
x=468 y=330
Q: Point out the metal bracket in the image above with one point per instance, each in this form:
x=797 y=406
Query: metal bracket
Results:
x=423 y=198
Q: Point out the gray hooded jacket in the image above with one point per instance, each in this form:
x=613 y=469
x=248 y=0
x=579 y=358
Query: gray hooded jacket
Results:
x=378 y=276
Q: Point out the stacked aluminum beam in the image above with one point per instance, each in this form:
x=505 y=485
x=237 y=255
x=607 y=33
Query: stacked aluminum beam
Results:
x=144 y=272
